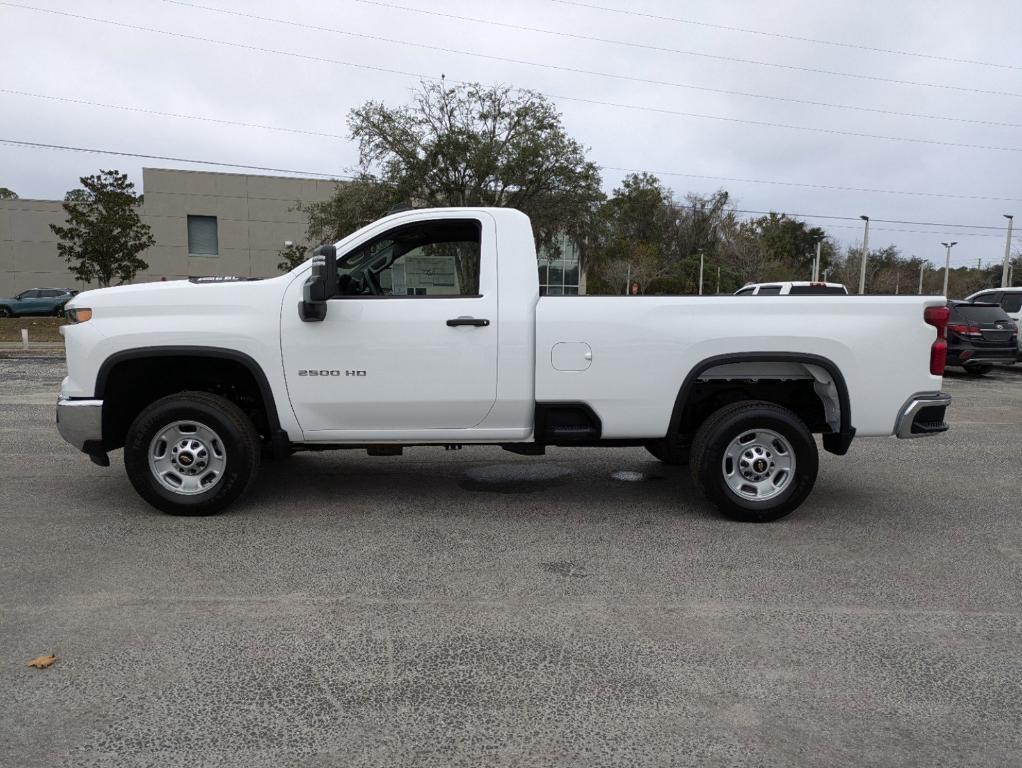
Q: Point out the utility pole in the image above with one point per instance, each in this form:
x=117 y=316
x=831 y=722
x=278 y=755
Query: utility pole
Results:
x=897 y=280
x=1007 y=251
x=816 y=264
x=628 y=281
x=701 y=259
x=947 y=262
x=718 y=281
x=922 y=267
x=865 y=254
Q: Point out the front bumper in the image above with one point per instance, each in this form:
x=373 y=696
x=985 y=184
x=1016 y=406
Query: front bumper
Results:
x=923 y=415
x=80 y=422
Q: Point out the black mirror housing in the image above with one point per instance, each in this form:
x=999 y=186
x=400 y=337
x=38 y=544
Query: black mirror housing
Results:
x=320 y=285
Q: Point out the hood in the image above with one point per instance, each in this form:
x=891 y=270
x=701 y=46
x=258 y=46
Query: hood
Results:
x=179 y=293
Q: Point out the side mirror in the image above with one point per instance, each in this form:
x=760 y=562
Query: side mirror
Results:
x=320 y=286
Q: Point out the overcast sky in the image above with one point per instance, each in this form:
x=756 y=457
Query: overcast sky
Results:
x=72 y=58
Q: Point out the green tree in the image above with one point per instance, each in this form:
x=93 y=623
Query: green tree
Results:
x=291 y=256
x=791 y=243
x=103 y=235
x=468 y=145
x=352 y=205
x=8 y=194
x=645 y=236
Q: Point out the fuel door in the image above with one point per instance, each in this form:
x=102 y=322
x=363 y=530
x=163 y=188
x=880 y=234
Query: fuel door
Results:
x=571 y=356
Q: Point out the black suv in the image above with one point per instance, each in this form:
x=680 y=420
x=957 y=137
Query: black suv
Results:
x=979 y=335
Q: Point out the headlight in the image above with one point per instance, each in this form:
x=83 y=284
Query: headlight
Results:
x=78 y=314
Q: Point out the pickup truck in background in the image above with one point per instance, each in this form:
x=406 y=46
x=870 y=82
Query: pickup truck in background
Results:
x=427 y=328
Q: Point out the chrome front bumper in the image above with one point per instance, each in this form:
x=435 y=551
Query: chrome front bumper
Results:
x=923 y=415
x=80 y=422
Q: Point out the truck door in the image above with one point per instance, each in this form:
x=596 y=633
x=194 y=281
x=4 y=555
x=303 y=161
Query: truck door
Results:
x=410 y=340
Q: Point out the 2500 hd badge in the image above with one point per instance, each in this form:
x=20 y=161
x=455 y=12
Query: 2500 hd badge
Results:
x=313 y=372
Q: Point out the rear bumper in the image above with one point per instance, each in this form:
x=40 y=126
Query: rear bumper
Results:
x=80 y=423
x=923 y=415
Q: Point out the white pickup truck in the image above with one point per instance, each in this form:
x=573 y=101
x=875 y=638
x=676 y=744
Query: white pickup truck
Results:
x=427 y=328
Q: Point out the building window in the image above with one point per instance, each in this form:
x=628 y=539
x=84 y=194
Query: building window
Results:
x=559 y=273
x=202 y=236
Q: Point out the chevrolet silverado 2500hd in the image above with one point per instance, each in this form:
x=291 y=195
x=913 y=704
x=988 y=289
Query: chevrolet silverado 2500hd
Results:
x=427 y=328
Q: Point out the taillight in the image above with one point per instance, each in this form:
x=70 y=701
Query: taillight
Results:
x=965 y=330
x=937 y=317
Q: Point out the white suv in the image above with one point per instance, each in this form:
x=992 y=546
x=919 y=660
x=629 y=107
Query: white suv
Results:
x=795 y=288
x=1010 y=300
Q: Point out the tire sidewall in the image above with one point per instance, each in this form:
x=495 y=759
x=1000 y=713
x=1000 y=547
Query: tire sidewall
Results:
x=239 y=467
x=806 y=464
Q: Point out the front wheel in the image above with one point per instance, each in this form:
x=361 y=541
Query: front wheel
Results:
x=756 y=461
x=6 y=312
x=191 y=453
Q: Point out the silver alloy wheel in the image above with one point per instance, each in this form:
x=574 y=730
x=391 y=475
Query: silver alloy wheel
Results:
x=758 y=464
x=187 y=457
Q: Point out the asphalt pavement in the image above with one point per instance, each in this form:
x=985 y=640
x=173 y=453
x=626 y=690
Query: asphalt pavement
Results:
x=477 y=608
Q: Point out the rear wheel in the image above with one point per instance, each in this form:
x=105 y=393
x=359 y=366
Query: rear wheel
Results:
x=192 y=453
x=756 y=461
x=978 y=370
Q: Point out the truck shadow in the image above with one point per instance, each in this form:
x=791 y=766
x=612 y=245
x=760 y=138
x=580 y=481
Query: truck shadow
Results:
x=564 y=483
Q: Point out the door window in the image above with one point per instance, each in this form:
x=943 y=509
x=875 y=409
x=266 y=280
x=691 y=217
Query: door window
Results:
x=426 y=259
x=765 y=290
x=29 y=295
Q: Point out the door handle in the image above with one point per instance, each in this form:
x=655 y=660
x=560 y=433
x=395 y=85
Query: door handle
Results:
x=476 y=321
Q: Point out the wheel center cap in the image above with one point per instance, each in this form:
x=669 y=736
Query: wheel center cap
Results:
x=760 y=465
x=185 y=459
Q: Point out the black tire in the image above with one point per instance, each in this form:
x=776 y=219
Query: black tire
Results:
x=240 y=447
x=669 y=450
x=727 y=425
x=6 y=312
x=58 y=311
x=978 y=370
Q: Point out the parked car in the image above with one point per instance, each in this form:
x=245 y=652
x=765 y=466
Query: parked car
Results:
x=980 y=335
x=37 y=301
x=795 y=288
x=1009 y=299
x=427 y=328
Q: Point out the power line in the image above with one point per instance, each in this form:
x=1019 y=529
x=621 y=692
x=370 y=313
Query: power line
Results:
x=117 y=153
x=146 y=111
x=782 y=36
x=829 y=187
x=262 y=126
x=577 y=70
x=721 y=118
x=241 y=166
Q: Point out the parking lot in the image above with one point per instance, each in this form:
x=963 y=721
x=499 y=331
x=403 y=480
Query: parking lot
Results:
x=479 y=608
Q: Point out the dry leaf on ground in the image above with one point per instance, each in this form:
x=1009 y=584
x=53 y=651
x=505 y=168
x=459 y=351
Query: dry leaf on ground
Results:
x=41 y=662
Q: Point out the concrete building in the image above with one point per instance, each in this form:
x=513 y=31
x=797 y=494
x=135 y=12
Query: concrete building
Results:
x=204 y=223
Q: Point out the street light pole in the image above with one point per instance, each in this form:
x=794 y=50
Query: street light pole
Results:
x=701 y=259
x=718 y=281
x=947 y=262
x=816 y=264
x=921 y=268
x=865 y=253
x=1007 y=251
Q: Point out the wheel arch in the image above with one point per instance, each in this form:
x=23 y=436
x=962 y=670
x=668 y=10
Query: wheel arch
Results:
x=835 y=441
x=107 y=379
